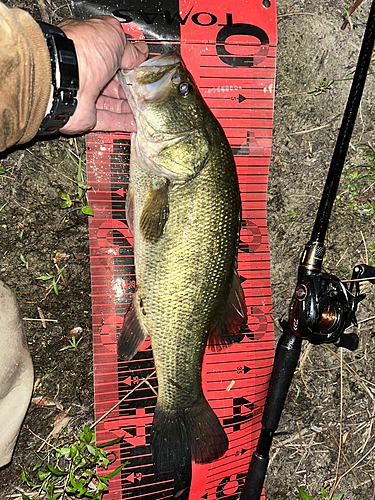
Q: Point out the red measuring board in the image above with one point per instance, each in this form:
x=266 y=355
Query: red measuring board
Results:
x=230 y=48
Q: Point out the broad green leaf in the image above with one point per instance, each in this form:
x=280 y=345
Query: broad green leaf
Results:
x=57 y=472
x=50 y=491
x=84 y=186
x=87 y=434
x=66 y=204
x=105 y=462
x=70 y=490
x=73 y=451
x=303 y=494
x=324 y=494
x=87 y=210
x=26 y=480
x=64 y=451
x=39 y=464
x=72 y=480
x=65 y=196
x=102 y=486
x=100 y=490
x=82 y=490
x=91 y=450
x=43 y=475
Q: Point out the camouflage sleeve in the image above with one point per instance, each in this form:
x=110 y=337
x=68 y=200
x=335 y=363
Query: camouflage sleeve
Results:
x=25 y=77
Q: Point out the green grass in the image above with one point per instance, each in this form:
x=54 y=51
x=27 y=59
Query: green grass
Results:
x=359 y=186
x=324 y=494
x=71 y=469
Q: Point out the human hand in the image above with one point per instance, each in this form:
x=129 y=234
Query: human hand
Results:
x=102 y=49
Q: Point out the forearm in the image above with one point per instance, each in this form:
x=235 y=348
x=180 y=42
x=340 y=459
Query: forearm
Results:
x=25 y=77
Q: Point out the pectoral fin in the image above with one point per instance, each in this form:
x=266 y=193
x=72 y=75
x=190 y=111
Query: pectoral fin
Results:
x=133 y=331
x=225 y=331
x=154 y=214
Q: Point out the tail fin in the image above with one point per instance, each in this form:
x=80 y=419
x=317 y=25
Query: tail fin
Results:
x=208 y=439
x=180 y=435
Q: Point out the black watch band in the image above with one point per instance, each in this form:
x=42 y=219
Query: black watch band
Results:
x=64 y=70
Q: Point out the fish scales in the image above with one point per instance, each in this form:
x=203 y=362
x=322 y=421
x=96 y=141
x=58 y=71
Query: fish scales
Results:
x=191 y=272
x=183 y=208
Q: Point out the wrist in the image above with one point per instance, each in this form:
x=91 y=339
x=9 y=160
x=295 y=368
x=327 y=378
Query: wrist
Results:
x=65 y=82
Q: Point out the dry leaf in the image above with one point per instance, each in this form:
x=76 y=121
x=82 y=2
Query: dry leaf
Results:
x=60 y=257
x=46 y=402
x=277 y=162
x=41 y=316
x=60 y=422
x=80 y=256
x=75 y=332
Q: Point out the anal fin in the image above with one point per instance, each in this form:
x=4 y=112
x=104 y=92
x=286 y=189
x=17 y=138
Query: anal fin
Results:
x=133 y=331
x=225 y=331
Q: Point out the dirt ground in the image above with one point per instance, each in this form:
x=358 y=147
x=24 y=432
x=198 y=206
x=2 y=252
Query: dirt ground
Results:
x=331 y=404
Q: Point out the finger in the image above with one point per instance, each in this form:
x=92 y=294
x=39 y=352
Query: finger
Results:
x=83 y=119
x=114 y=89
x=135 y=54
x=114 y=122
x=120 y=106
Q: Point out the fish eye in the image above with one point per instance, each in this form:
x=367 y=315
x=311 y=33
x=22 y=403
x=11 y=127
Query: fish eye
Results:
x=184 y=89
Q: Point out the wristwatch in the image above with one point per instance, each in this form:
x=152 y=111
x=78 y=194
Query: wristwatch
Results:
x=65 y=82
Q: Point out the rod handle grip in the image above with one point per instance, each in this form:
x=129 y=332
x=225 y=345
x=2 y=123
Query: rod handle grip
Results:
x=253 y=486
x=286 y=359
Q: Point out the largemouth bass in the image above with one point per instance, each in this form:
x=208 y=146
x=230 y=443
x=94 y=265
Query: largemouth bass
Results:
x=183 y=207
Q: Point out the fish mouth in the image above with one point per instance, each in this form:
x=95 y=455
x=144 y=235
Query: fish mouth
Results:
x=166 y=59
x=151 y=80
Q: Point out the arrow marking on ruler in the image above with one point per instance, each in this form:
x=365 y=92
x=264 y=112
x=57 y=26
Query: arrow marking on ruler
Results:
x=130 y=478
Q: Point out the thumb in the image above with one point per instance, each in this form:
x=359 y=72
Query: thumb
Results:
x=135 y=54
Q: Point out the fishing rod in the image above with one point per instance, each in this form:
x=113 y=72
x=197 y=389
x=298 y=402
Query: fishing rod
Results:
x=322 y=306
